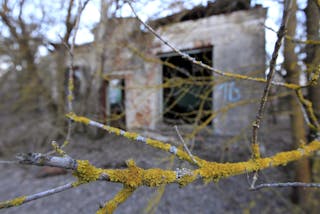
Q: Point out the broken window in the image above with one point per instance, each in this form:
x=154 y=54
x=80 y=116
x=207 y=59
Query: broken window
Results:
x=187 y=93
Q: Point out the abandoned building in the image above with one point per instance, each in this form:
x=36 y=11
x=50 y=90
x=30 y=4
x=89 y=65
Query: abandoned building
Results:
x=146 y=84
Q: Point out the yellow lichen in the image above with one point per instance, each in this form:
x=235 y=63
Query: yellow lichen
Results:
x=186 y=179
x=166 y=147
x=18 y=201
x=70 y=85
x=131 y=135
x=230 y=169
x=86 y=172
x=308 y=105
x=185 y=156
x=57 y=148
x=12 y=203
x=285 y=157
x=119 y=198
x=131 y=177
x=65 y=143
x=212 y=171
x=79 y=119
x=70 y=97
x=255 y=150
x=112 y=130
x=157 y=177
x=158 y=144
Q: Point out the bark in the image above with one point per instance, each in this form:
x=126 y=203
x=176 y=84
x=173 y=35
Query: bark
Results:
x=302 y=168
x=312 y=62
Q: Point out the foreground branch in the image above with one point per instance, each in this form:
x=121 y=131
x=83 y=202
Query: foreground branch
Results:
x=24 y=199
x=135 y=136
x=134 y=176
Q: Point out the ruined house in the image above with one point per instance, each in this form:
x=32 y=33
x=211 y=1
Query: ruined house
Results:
x=228 y=35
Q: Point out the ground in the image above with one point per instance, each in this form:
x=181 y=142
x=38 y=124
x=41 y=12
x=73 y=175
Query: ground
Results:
x=231 y=195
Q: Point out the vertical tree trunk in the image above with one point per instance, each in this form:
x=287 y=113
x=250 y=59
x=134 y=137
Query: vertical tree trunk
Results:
x=298 y=130
x=312 y=62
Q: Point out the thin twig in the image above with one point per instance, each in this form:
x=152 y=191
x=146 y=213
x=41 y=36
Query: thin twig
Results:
x=264 y=98
x=307 y=105
x=254 y=180
x=184 y=145
x=45 y=160
x=24 y=199
x=293 y=184
x=70 y=94
x=304 y=111
x=269 y=28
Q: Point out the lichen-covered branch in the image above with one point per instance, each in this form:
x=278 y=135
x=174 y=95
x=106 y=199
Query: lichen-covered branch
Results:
x=133 y=176
x=119 y=198
x=70 y=95
x=24 y=199
x=307 y=105
x=135 y=136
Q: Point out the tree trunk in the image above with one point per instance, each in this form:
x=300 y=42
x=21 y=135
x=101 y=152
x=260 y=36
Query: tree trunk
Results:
x=298 y=130
x=312 y=62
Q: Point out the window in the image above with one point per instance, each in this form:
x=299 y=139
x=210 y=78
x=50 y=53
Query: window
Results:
x=187 y=93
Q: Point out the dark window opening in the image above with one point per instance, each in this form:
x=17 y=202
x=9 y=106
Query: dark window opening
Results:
x=187 y=93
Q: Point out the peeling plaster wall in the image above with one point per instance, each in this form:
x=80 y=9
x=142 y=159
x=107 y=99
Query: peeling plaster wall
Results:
x=238 y=40
x=142 y=102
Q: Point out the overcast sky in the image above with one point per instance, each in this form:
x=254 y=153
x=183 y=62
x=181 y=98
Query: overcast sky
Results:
x=147 y=9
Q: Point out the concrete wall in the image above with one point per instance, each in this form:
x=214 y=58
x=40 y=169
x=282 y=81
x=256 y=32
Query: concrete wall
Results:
x=238 y=46
x=238 y=40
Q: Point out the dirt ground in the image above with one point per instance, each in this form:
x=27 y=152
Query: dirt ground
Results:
x=227 y=196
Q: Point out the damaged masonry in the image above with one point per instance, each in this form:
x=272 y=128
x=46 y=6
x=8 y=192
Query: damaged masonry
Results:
x=146 y=85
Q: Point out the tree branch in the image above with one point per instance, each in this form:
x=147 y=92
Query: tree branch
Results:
x=134 y=176
x=293 y=184
x=264 y=98
x=24 y=199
